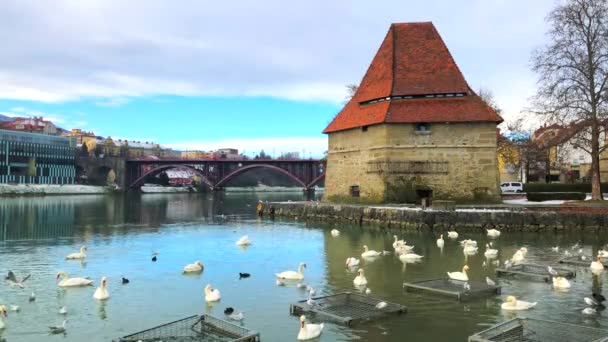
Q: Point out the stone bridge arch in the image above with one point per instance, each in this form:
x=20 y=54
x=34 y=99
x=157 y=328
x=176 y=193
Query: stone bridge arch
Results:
x=244 y=169
x=152 y=173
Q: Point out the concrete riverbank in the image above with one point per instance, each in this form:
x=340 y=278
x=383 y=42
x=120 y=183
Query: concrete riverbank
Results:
x=410 y=218
x=48 y=189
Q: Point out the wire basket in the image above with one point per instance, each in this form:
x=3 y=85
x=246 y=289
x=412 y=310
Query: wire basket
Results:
x=581 y=260
x=346 y=308
x=536 y=330
x=196 y=328
x=533 y=271
x=454 y=288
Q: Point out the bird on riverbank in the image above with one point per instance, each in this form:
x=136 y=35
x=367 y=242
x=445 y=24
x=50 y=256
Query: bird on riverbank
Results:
x=352 y=262
x=244 y=275
x=335 y=232
x=597 y=266
x=66 y=281
x=243 y=241
x=292 y=275
x=211 y=294
x=463 y=276
x=102 y=292
x=195 y=267
x=63 y=311
x=77 y=256
x=453 y=234
x=309 y=331
x=15 y=308
x=125 y=281
x=513 y=304
x=555 y=249
x=367 y=253
x=440 y=242
x=360 y=280
x=589 y=311
x=154 y=258
x=490 y=282
x=4 y=312
x=493 y=233
x=14 y=281
x=32 y=297
x=58 y=329
x=561 y=283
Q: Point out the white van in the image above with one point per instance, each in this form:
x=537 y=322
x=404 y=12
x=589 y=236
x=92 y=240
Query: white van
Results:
x=512 y=187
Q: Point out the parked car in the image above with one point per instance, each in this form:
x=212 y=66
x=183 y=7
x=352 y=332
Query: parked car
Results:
x=512 y=187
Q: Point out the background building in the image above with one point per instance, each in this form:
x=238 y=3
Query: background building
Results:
x=30 y=158
x=35 y=124
x=414 y=128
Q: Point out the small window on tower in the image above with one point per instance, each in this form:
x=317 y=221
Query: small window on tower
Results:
x=423 y=127
x=354 y=191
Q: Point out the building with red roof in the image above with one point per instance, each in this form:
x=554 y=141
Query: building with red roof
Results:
x=413 y=122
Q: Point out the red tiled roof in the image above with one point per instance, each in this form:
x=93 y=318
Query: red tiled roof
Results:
x=412 y=61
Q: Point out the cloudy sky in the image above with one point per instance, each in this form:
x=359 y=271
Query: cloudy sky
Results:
x=266 y=74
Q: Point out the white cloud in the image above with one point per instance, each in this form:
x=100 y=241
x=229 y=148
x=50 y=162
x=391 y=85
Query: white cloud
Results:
x=68 y=50
x=79 y=124
x=306 y=146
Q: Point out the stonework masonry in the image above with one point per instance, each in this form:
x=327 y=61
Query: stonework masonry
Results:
x=455 y=160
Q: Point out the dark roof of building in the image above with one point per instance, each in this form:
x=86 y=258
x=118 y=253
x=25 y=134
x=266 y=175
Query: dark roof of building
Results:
x=412 y=78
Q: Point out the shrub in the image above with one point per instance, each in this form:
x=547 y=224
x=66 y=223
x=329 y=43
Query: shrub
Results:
x=559 y=187
x=551 y=196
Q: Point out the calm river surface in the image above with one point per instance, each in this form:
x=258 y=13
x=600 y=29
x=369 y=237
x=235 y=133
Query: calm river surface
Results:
x=121 y=233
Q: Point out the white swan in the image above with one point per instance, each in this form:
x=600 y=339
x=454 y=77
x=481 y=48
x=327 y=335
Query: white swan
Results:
x=490 y=253
x=403 y=249
x=493 y=233
x=602 y=253
x=410 y=257
x=79 y=255
x=309 y=331
x=453 y=234
x=243 y=241
x=519 y=256
x=468 y=242
x=352 y=262
x=291 y=274
x=102 y=292
x=335 y=232
x=360 y=280
x=597 y=265
x=369 y=254
x=460 y=275
x=440 y=242
x=561 y=283
x=512 y=304
x=4 y=312
x=197 y=266
x=66 y=281
x=470 y=249
x=211 y=294
x=397 y=242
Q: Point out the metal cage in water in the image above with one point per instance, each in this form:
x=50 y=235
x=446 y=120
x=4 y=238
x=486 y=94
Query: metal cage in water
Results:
x=346 y=308
x=536 y=330
x=461 y=290
x=195 y=328
x=533 y=271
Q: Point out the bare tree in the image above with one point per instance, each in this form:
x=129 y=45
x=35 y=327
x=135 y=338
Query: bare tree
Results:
x=488 y=97
x=573 y=75
x=351 y=90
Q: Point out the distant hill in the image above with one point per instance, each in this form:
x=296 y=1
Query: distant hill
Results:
x=5 y=118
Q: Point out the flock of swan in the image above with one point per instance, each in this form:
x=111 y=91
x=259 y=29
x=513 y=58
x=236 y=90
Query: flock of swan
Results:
x=469 y=247
x=308 y=330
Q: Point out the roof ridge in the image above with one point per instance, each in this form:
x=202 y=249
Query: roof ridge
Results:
x=451 y=57
x=393 y=71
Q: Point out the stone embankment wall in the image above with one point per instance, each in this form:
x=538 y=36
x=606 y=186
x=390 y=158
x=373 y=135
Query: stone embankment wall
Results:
x=416 y=219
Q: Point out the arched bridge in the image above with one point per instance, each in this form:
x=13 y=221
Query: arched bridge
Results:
x=216 y=173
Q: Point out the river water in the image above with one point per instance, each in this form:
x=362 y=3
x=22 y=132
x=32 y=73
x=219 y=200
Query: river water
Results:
x=122 y=231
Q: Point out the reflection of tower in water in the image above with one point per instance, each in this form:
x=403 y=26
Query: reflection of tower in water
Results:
x=36 y=218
